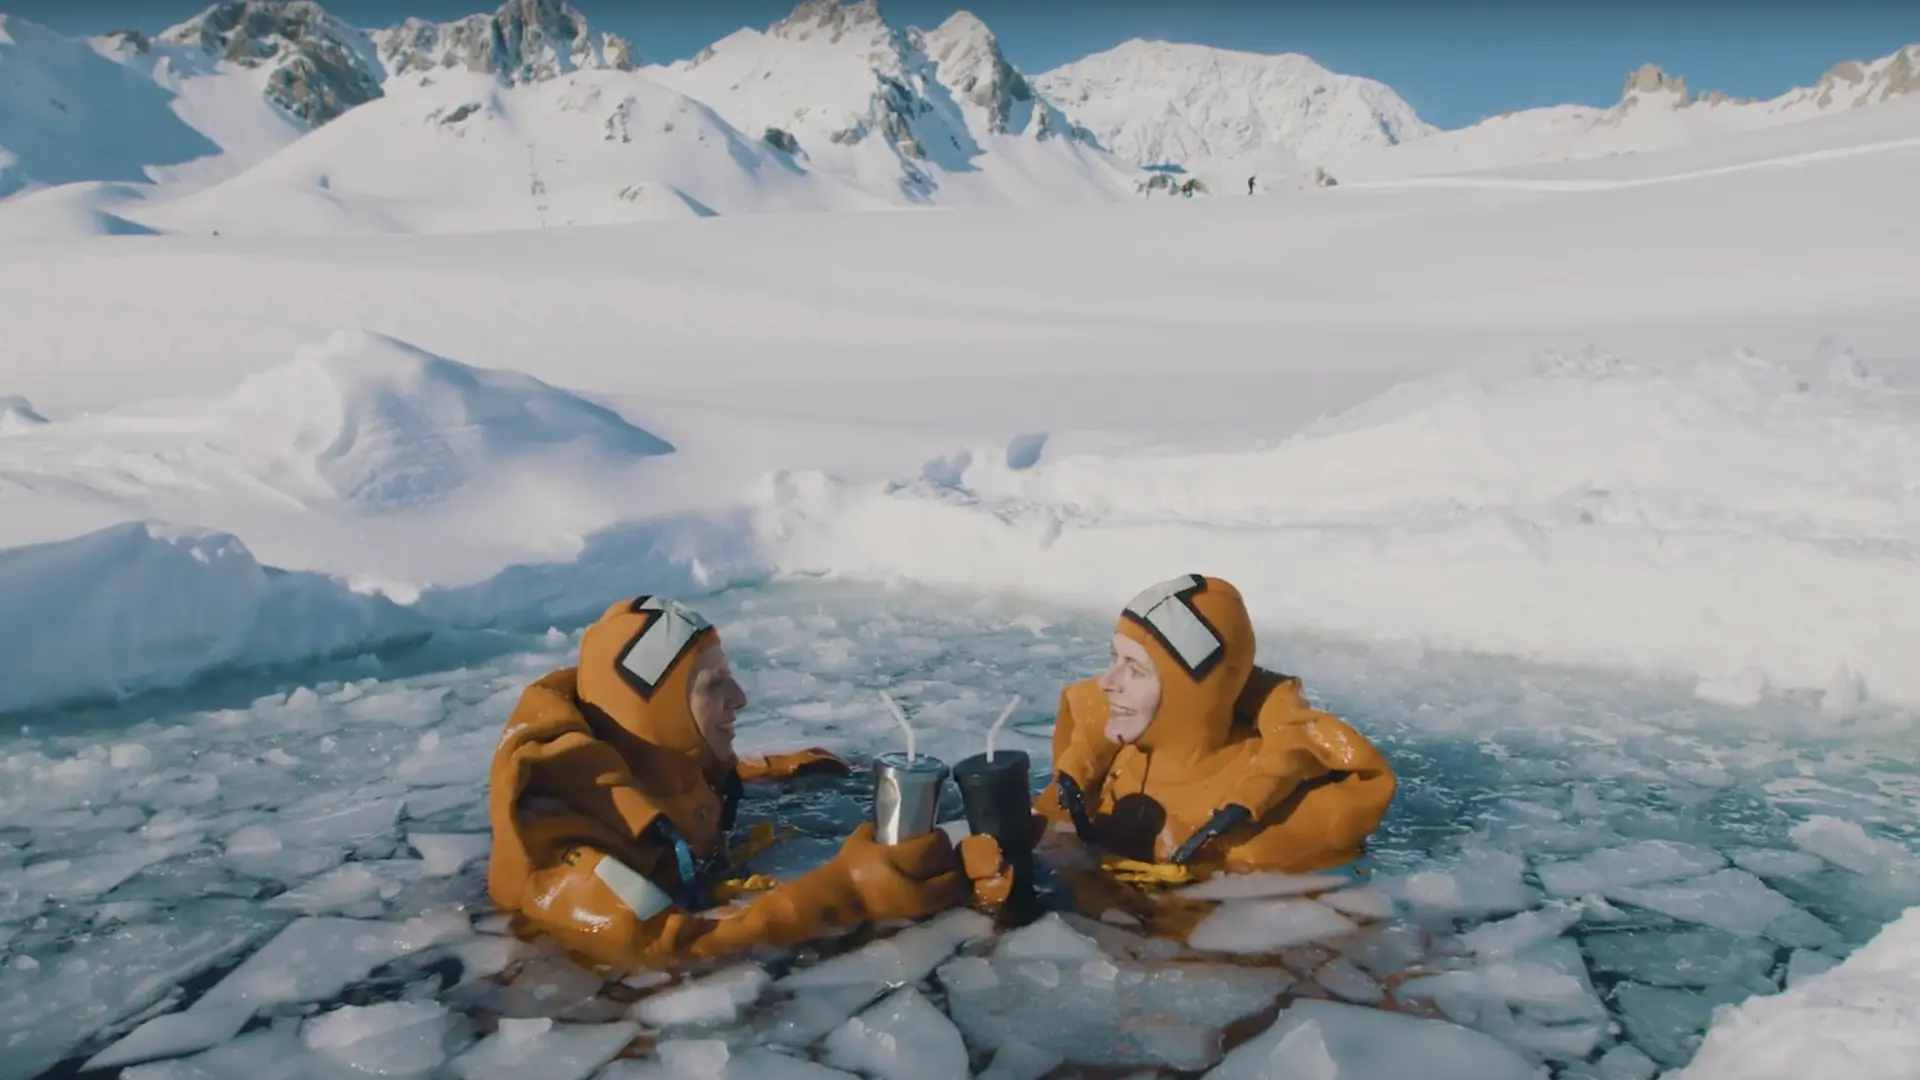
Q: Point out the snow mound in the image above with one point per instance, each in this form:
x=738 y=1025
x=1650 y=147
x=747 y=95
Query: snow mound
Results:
x=1587 y=511
x=18 y=414
x=70 y=210
x=1858 y=1020
x=375 y=422
x=144 y=606
x=359 y=421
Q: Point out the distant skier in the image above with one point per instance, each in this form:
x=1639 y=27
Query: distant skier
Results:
x=1249 y=185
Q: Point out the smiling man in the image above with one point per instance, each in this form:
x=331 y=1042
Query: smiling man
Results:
x=614 y=789
x=1184 y=751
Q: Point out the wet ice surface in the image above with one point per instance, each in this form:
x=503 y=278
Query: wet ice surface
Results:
x=1578 y=869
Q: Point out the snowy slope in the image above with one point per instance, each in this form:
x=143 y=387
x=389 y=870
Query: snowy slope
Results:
x=1005 y=408
x=463 y=153
x=69 y=114
x=1159 y=103
x=1656 y=111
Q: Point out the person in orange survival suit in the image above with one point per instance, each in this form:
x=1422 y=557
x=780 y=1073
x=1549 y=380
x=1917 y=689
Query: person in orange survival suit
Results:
x=615 y=785
x=1184 y=751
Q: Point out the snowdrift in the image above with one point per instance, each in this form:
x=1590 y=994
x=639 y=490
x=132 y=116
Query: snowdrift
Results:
x=1860 y=1019
x=357 y=422
x=146 y=606
x=71 y=210
x=1731 y=520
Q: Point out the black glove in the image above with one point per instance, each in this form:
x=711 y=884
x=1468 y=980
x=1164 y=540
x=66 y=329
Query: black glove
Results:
x=1224 y=819
x=1074 y=802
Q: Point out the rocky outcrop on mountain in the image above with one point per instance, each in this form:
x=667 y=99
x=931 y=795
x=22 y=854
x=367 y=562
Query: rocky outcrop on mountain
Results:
x=968 y=61
x=524 y=41
x=321 y=67
x=1854 y=83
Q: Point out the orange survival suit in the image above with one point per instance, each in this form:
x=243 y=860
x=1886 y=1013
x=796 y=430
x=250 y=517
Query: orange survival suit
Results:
x=1235 y=770
x=610 y=814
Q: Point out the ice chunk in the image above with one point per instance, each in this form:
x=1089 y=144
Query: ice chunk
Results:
x=1509 y=936
x=1016 y=1060
x=902 y=1038
x=1261 y=926
x=1668 y=1023
x=712 y=999
x=1622 y=1062
x=106 y=978
x=811 y=1013
x=1518 y=1001
x=174 y=1034
x=540 y=1047
x=91 y=875
x=550 y=986
x=1804 y=964
x=1347 y=981
x=314 y=959
x=1845 y=844
x=1364 y=902
x=1352 y=1042
x=1628 y=865
x=445 y=853
x=688 y=1060
x=1728 y=899
x=356 y=888
x=1769 y=862
x=1134 y=1015
x=1047 y=938
x=1262 y=885
x=1683 y=958
x=392 y=1038
x=906 y=957
x=1479 y=882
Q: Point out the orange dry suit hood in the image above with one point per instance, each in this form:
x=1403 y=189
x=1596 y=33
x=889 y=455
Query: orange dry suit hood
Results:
x=614 y=740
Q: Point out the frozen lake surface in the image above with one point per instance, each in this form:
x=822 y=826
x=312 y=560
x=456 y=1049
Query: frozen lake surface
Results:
x=287 y=881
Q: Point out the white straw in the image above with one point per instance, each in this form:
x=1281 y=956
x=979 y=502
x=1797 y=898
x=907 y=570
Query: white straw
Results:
x=901 y=716
x=995 y=729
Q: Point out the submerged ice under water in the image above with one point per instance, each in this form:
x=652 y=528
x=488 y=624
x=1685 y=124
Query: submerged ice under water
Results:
x=1579 y=868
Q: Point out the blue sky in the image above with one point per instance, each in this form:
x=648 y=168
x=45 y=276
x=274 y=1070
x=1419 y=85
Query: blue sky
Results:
x=1455 y=61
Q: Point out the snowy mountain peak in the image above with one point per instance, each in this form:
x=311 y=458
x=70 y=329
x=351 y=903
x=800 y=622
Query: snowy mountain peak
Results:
x=812 y=18
x=1650 y=79
x=971 y=65
x=1156 y=102
x=523 y=41
x=1854 y=83
x=321 y=67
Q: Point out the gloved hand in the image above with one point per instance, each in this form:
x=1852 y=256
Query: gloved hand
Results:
x=813 y=761
x=1223 y=820
x=986 y=866
x=1074 y=802
x=908 y=880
